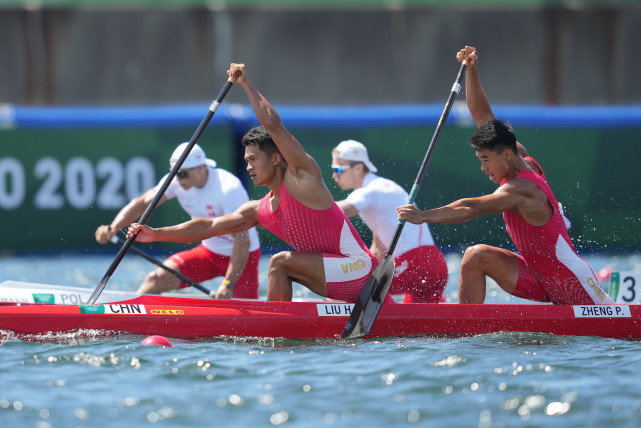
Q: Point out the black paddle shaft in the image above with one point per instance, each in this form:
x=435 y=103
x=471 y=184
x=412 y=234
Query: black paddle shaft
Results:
x=430 y=150
x=373 y=295
x=163 y=188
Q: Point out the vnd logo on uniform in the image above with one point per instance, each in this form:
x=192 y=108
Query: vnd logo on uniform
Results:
x=353 y=267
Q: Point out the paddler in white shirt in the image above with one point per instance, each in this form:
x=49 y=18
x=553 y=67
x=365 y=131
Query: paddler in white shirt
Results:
x=203 y=190
x=421 y=270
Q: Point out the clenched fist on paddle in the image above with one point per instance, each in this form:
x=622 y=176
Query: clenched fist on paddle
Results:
x=142 y=232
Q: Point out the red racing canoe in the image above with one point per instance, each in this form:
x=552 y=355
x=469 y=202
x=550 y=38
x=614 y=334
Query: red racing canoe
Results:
x=189 y=318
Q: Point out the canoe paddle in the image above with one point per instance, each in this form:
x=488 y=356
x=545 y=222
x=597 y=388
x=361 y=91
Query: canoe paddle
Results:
x=375 y=290
x=119 y=241
x=152 y=205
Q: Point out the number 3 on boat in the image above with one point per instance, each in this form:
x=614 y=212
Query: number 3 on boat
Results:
x=625 y=287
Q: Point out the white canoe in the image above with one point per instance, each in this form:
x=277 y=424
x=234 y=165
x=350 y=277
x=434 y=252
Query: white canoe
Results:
x=19 y=292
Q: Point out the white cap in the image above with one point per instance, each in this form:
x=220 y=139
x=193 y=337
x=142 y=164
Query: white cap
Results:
x=353 y=151
x=195 y=158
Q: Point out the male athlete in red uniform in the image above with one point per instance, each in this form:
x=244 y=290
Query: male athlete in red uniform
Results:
x=330 y=259
x=548 y=268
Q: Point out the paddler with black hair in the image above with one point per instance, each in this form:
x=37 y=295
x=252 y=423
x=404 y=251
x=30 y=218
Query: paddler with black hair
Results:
x=329 y=256
x=547 y=268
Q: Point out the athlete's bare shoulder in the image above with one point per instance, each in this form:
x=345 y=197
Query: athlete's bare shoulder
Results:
x=520 y=186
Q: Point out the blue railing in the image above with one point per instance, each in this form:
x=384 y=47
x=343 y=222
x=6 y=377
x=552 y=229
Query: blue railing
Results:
x=316 y=116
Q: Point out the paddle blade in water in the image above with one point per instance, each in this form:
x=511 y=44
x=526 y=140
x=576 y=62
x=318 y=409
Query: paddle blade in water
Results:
x=370 y=300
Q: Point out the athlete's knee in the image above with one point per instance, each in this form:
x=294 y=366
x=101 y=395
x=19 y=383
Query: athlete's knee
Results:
x=477 y=256
x=157 y=276
x=279 y=262
x=155 y=282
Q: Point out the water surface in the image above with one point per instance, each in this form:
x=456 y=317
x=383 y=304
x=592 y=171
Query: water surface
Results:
x=496 y=380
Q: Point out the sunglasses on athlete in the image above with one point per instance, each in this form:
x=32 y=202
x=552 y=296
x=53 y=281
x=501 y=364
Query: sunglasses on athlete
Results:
x=183 y=173
x=339 y=169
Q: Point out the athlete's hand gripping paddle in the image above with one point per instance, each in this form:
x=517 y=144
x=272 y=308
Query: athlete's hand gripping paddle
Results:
x=375 y=290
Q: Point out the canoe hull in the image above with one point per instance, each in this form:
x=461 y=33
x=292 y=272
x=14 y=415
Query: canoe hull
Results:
x=199 y=319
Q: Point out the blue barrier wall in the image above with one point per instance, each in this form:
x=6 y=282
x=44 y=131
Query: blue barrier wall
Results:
x=64 y=170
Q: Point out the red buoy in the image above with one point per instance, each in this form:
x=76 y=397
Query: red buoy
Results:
x=604 y=274
x=156 y=340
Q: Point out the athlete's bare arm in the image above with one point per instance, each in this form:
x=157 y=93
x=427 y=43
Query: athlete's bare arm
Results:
x=303 y=177
x=477 y=101
x=244 y=218
x=378 y=248
x=521 y=196
x=348 y=208
x=129 y=213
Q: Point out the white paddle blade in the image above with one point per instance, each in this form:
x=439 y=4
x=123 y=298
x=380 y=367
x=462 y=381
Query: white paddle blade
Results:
x=370 y=301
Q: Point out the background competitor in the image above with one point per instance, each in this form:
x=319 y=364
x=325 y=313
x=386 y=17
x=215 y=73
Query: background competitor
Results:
x=203 y=190
x=548 y=268
x=330 y=258
x=421 y=269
